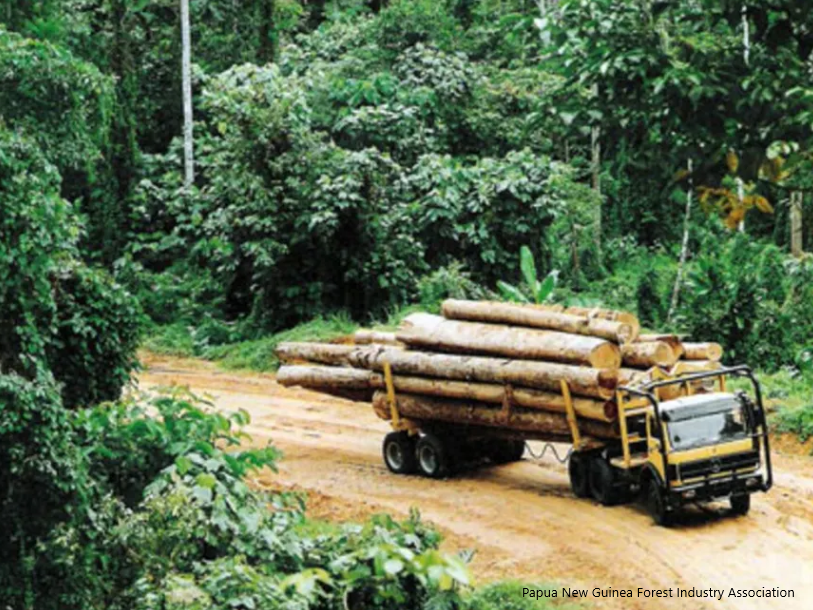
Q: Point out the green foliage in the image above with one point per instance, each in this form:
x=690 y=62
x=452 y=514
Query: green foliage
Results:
x=61 y=102
x=43 y=478
x=97 y=332
x=258 y=354
x=508 y=596
x=798 y=421
x=172 y=522
x=539 y=292
x=733 y=295
x=37 y=232
x=451 y=282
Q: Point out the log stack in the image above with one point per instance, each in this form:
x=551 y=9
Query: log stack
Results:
x=498 y=365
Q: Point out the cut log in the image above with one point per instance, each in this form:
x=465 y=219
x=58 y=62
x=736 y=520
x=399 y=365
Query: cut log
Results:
x=602 y=314
x=582 y=381
x=436 y=333
x=325 y=353
x=672 y=340
x=703 y=351
x=316 y=377
x=367 y=337
x=631 y=377
x=528 y=315
x=465 y=412
x=694 y=366
x=599 y=410
x=654 y=353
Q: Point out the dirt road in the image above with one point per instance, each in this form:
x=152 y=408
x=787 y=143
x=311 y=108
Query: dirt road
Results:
x=522 y=518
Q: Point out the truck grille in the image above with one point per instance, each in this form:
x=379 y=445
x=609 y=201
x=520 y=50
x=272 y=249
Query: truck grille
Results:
x=705 y=468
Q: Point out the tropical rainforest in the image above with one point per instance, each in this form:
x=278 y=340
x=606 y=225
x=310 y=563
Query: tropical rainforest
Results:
x=352 y=158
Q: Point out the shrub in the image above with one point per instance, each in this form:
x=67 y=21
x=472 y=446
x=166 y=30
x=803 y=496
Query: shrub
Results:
x=43 y=479
x=97 y=332
x=798 y=421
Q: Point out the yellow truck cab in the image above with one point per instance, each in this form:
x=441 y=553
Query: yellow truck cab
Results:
x=683 y=440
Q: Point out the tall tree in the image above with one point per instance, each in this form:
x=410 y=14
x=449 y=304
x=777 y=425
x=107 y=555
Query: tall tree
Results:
x=267 y=52
x=796 y=245
x=188 y=128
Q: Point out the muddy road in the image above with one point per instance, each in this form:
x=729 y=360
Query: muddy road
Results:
x=522 y=518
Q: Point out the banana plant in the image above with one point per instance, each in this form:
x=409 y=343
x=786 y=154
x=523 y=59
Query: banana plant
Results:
x=540 y=291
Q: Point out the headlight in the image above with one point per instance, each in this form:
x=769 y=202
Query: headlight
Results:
x=752 y=482
x=688 y=495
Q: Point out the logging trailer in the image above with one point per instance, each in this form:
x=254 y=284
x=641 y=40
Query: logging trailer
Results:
x=682 y=439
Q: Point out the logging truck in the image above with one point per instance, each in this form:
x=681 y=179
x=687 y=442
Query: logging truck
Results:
x=681 y=439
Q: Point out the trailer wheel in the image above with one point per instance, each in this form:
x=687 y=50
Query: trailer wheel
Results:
x=399 y=453
x=434 y=458
x=579 y=481
x=602 y=482
x=656 y=505
x=740 y=505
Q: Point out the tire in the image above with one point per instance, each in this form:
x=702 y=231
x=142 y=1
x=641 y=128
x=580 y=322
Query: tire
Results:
x=434 y=457
x=398 y=450
x=579 y=475
x=740 y=505
x=602 y=482
x=656 y=505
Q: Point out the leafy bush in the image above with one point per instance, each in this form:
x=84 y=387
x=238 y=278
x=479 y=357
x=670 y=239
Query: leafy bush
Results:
x=734 y=295
x=97 y=332
x=63 y=103
x=196 y=533
x=798 y=421
x=37 y=231
x=451 y=282
x=43 y=479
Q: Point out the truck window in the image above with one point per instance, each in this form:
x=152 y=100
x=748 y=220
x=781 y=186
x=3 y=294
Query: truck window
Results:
x=706 y=429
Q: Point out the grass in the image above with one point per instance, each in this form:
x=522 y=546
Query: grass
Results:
x=788 y=397
x=507 y=595
x=258 y=355
x=183 y=340
x=186 y=341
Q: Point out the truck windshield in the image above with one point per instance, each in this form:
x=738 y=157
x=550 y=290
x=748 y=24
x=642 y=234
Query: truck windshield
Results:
x=706 y=429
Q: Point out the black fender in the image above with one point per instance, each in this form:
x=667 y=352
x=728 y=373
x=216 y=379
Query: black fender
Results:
x=649 y=473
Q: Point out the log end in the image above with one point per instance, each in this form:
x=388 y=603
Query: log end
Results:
x=606 y=356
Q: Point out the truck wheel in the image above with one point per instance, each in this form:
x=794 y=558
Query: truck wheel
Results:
x=740 y=505
x=434 y=458
x=579 y=479
x=657 y=506
x=602 y=482
x=399 y=453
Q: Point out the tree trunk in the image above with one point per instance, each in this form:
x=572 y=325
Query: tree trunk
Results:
x=267 y=52
x=599 y=314
x=672 y=341
x=316 y=14
x=653 y=353
x=437 y=333
x=367 y=337
x=522 y=315
x=684 y=249
x=703 y=351
x=188 y=129
x=796 y=241
x=582 y=381
x=426 y=408
x=539 y=375
x=327 y=379
x=324 y=353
